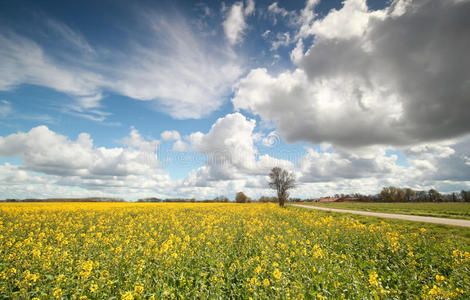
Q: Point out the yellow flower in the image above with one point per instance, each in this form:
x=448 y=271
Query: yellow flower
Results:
x=440 y=278
x=435 y=291
x=410 y=254
x=127 y=296
x=139 y=288
x=277 y=274
x=266 y=282
x=373 y=278
x=87 y=267
x=57 y=293
x=93 y=288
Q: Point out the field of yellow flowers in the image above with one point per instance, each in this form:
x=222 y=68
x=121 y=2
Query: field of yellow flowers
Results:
x=176 y=251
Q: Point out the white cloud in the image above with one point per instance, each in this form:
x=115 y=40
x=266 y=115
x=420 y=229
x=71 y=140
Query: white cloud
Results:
x=229 y=141
x=318 y=166
x=282 y=39
x=235 y=23
x=170 y=135
x=307 y=15
x=42 y=150
x=275 y=9
x=250 y=7
x=298 y=52
x=180 y=146
x=13 y=175
x=348 y=22
x=54 y=165
x=231 y=152
x=271 y=140
x=276 y=12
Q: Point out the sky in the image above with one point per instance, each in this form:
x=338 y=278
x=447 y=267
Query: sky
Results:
x=135 y=99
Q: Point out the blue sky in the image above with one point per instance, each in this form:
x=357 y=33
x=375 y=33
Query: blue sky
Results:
x=200 y=99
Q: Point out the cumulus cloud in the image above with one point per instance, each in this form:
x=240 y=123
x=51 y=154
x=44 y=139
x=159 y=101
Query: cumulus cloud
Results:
x=180 y=146
x=318 y=166
x=442 y=161
x=320 y=111
x=348 y=22
x=394 y=77
x=13 y=175
x=229 y=142
x=170 y=135
x=53 y=163
x=231 y=152
x=43 y=150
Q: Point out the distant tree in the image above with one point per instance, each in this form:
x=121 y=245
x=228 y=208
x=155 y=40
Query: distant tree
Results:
x=265 y=199
x=392 y=194
x=454 y=197
x=465 y=196
x=282 y=181
x=434 y=196
x=221 y=199
x=409 y=194
x=241 y=198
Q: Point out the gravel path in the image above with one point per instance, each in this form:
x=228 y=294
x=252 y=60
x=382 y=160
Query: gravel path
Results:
x=444 y=221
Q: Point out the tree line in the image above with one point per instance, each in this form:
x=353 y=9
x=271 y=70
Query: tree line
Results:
x=396 y=194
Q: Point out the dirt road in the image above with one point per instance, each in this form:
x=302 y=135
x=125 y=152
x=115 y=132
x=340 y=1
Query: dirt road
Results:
x=444 y=221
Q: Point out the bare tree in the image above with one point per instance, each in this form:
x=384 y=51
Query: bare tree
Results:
x=282 y=181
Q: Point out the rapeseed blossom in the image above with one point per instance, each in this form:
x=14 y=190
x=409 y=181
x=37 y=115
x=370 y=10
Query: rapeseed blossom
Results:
x=178 y=251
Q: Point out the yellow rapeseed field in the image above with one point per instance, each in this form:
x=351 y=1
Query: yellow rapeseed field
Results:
x=181 y=251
